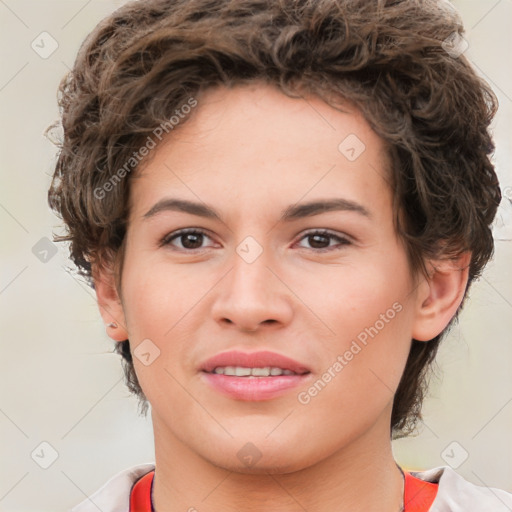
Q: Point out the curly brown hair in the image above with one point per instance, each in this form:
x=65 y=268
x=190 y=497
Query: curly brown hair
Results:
x=387 y=57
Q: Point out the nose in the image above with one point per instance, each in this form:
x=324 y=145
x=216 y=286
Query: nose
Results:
x=252 y=296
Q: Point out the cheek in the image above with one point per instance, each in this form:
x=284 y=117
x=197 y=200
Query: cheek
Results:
x=345 y=300
x=159 y=302
x=360 y=376
x=367 y=314
x=156 y=295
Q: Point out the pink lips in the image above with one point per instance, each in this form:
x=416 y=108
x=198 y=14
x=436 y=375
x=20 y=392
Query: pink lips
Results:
x=253 y=388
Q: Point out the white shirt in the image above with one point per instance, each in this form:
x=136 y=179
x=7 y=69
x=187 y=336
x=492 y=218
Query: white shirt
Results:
x=454 y=494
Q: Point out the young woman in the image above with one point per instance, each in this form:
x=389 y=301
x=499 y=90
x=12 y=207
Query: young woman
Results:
x=281 y=206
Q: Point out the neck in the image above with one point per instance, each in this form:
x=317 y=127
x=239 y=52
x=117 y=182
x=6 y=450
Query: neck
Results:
x=362 y=476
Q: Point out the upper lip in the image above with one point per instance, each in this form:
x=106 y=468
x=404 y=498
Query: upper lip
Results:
x=260 y=359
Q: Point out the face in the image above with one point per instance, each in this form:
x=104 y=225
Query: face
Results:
x=328 y=288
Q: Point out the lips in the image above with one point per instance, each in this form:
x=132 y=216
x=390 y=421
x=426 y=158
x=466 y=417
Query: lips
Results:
x=272 y=375
x=222 y=374
x=262 y=359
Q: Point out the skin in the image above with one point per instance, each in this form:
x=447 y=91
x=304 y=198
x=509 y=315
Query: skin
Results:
x=250 y=152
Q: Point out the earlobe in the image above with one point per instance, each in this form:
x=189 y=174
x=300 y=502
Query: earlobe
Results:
x=443 y=292
x=109 y=304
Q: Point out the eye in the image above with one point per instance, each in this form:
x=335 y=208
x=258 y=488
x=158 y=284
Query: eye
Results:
x=319 y=238
x=190 y=239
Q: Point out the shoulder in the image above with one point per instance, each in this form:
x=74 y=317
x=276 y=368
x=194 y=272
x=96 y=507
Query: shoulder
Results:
x=456 y=494
x=114 y=495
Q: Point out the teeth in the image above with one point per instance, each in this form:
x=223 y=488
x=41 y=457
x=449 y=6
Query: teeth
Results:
x=260 y=372
x=240 y=371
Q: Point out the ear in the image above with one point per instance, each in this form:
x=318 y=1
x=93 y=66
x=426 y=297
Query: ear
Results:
x=440 y=294
x=109 y=303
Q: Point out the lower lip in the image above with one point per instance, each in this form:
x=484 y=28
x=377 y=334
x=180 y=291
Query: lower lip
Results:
x=255 y=389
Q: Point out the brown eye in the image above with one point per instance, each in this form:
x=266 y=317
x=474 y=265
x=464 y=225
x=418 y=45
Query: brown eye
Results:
x=320 y=240
x=189 y=239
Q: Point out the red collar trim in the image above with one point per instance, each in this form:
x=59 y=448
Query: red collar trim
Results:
x=418 y=494
x=140 y=495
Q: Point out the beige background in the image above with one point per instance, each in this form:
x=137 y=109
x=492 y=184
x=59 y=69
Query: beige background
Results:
x=60 y=383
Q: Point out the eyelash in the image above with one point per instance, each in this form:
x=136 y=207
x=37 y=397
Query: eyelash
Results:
x=343 y=241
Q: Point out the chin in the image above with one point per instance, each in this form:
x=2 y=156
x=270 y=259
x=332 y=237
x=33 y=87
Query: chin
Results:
x=262 y=458
x=280 y=466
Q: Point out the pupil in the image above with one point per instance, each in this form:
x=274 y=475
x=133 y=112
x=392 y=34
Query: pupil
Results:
x=186 y=237
x=315 y=239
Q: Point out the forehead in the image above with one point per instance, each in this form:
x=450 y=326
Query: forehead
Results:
x=253 y=139
x=258 y=111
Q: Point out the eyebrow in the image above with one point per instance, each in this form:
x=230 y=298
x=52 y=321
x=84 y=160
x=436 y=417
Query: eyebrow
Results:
x=292 y=212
